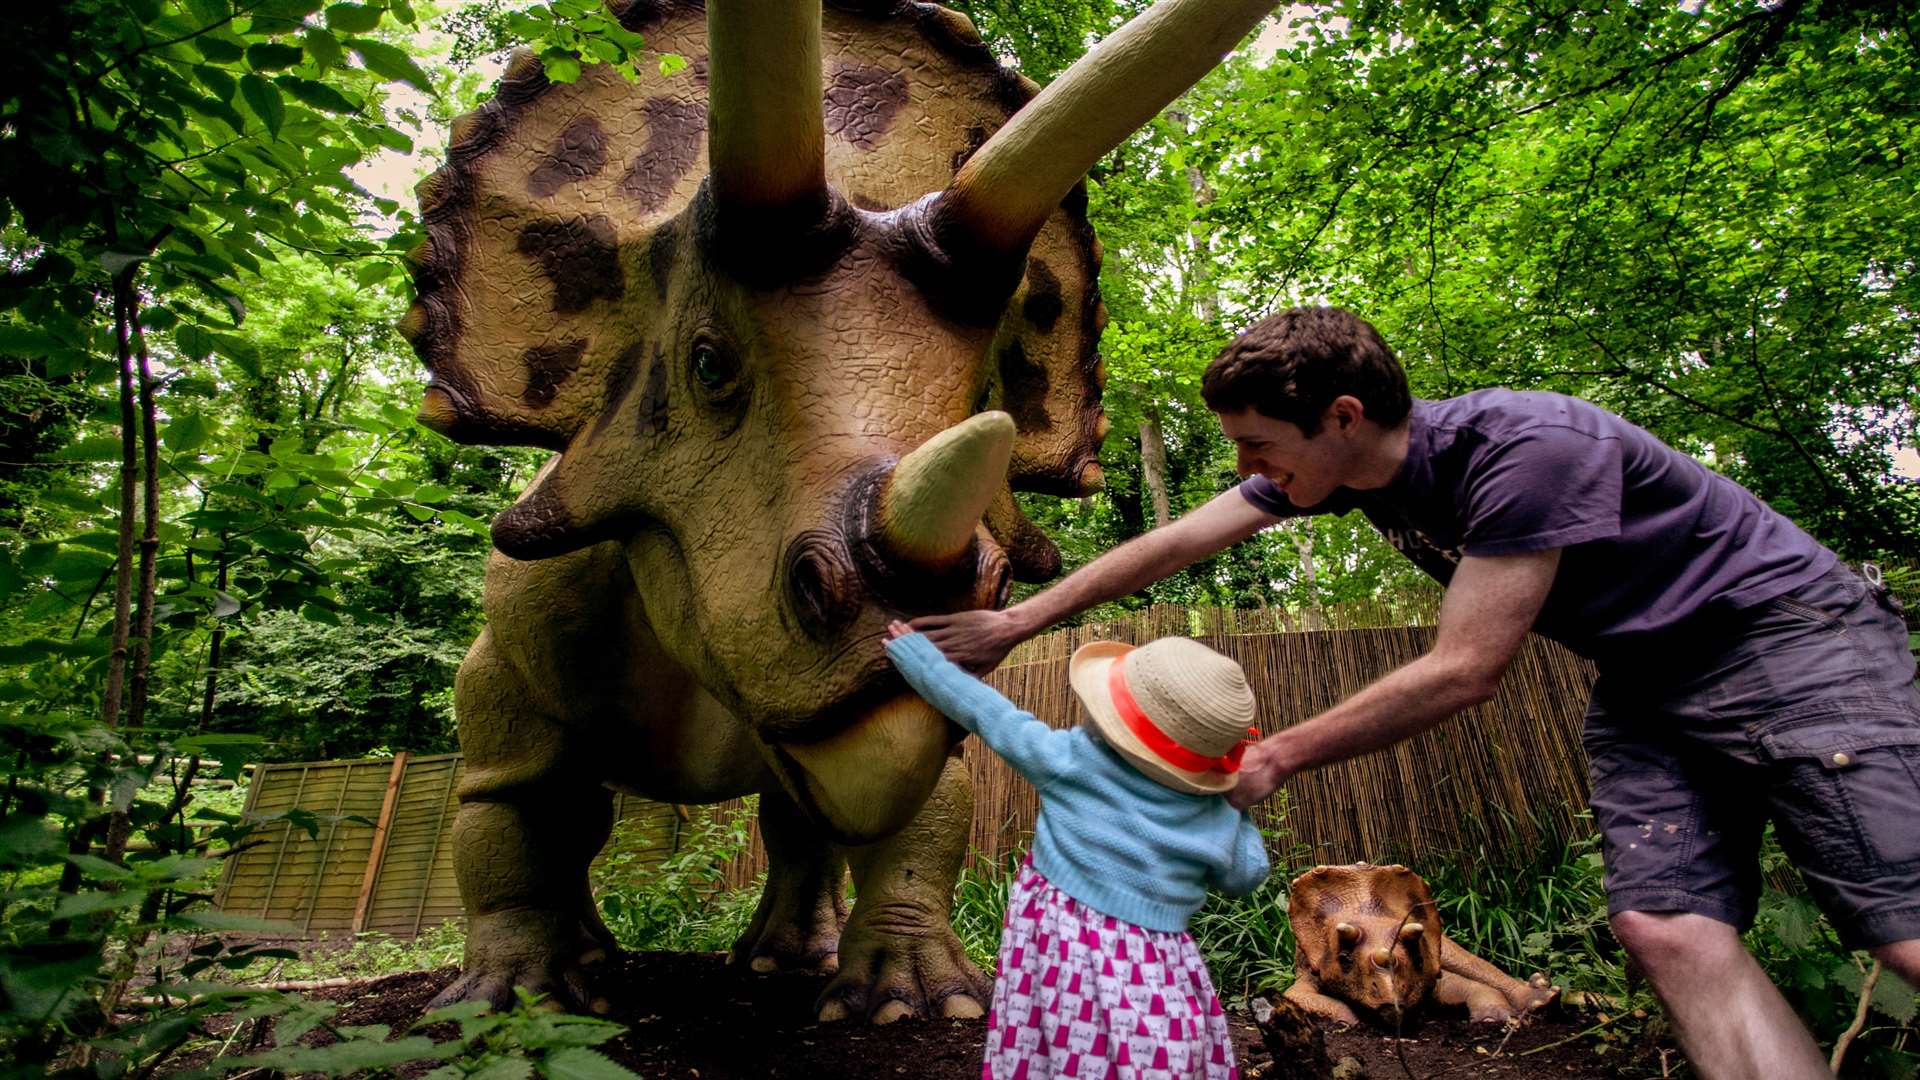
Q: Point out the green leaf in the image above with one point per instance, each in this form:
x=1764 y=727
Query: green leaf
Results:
x=390 y=62
x=352 y=18
x=672 y=63
x=264 y=99
x=28 y=838
x=218 y=50
x=561 y=66
x=187 y=432
x=88 y=903
x=216 y=80
x=1894 y=998
x=317 y=94
x=579 y=1063
x=372 y=271
x=273 y=56
x=101 y=868
x=322 y=46
x=349 y=1055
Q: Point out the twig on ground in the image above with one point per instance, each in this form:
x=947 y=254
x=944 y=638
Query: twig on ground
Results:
x=1859 y=1018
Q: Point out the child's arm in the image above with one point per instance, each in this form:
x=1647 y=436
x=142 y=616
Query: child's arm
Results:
x=1250 y=866
x=1035 y=750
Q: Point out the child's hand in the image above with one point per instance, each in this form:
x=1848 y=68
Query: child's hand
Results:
x=897 y=630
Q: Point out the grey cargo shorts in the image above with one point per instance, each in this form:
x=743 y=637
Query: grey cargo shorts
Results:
x=1801 y=710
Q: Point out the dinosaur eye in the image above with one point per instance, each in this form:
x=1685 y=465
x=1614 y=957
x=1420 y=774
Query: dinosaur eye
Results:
x=713 y=368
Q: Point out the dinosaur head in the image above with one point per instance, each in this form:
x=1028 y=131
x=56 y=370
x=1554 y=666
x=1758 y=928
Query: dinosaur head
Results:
x=798 y=319
x=1370 y=934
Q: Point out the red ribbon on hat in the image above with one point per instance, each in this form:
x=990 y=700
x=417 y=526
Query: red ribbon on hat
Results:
x=1163 y=745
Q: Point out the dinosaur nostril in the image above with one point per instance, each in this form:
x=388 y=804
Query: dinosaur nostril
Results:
x=822 y=583
x=994 y=576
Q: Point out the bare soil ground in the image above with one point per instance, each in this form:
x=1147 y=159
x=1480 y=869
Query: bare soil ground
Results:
x=691 y=1016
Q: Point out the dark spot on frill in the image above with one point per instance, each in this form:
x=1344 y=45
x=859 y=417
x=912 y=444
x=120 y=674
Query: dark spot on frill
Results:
x=868 y=202
x=1044 y=303
x=862 y=101
x=549 y=366
x=1025 y=385
x=579 y=152
x=674 y=130
x=660 y=249
x=620 y=376
x=579 y=255
x=653 y=399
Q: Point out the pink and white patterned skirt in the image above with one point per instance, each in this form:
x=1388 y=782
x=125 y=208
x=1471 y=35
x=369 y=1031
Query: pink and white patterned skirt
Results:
x=1082 y=994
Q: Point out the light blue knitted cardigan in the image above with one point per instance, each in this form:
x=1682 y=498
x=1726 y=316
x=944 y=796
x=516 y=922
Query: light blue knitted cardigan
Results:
x=1108 y=835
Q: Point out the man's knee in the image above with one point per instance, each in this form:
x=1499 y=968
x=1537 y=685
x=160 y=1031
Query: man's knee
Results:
x=1659 y=940
x=1902 y=958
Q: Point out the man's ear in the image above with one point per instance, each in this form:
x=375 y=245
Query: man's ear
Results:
x=1344 y=412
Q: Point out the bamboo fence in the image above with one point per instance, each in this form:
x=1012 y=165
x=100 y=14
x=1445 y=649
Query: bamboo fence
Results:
x=1495 y=780
x=382 y=858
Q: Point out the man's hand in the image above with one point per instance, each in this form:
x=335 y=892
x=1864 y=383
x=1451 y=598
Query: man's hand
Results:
x=975 y=640
x=1261 y=774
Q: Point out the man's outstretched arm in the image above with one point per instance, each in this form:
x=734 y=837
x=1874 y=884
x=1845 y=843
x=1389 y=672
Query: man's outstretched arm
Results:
x=1489 y=607
x=979 y=640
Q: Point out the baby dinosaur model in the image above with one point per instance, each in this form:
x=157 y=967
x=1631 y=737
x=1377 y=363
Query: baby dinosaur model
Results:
x=797 y=318
x=1370 y=936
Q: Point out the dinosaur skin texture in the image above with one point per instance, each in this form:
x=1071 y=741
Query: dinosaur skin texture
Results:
x=689 y=601
x=1370 y=937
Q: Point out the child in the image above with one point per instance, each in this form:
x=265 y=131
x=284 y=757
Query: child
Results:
x=1098 y=976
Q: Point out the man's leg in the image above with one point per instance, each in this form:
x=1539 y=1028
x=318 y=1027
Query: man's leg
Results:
x=1902 y=958
x=1731 y=1021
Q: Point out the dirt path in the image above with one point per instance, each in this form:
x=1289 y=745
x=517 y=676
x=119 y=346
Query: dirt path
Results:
x=689 y=1015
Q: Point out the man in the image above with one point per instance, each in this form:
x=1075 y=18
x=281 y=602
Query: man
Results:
x=1746 y=674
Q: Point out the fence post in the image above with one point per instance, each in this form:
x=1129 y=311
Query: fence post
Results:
x=378 y=853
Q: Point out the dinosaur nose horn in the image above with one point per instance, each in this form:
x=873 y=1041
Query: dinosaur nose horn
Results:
x=928 y=509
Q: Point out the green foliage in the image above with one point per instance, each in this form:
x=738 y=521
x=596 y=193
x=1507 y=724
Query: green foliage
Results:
x=980 y=906
x=680 y=903
x=1697 y=218
x=371 y=955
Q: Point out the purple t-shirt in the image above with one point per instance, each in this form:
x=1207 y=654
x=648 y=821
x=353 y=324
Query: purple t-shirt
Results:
x=1649 y=536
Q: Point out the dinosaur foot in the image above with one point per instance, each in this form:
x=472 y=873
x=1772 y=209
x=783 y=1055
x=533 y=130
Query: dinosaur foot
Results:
x=1536 y=993
x=546 y=953
x=811 y=947
x=888 y=977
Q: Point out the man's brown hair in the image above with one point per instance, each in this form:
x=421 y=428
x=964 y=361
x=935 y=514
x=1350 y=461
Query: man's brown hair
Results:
x=1292 y=365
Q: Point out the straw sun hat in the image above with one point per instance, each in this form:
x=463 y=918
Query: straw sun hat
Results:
x=1177 y=710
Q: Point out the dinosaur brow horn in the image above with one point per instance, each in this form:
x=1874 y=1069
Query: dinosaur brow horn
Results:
x=1012 y=184
x=766 y=214
x=766 y=135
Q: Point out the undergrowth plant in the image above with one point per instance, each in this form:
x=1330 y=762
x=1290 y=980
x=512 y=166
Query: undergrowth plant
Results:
x=682 y=903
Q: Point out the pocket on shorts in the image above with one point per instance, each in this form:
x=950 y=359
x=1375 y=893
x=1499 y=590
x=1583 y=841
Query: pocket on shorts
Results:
x=1848 y=786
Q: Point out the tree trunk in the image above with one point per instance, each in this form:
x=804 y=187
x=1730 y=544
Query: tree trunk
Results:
x=1153 y=463
x=150 y=533
x=1311 y=616
x=119 y=821
x=114 y=684
x=110 y=696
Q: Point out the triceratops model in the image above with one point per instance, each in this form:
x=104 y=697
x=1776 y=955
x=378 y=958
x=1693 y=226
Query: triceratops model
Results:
x=798 y=318
x=1370 y=936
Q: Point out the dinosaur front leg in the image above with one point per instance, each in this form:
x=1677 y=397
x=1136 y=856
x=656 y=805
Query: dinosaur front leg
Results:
x=1305 y=992
x=1517 y=997
x=899 y=956
x=797 y=925
x=531 y=819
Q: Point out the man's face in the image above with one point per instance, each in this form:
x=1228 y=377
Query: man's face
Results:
x=1307 y=469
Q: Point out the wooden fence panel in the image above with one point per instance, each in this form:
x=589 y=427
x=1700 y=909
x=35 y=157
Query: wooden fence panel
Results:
x=1501 y=774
